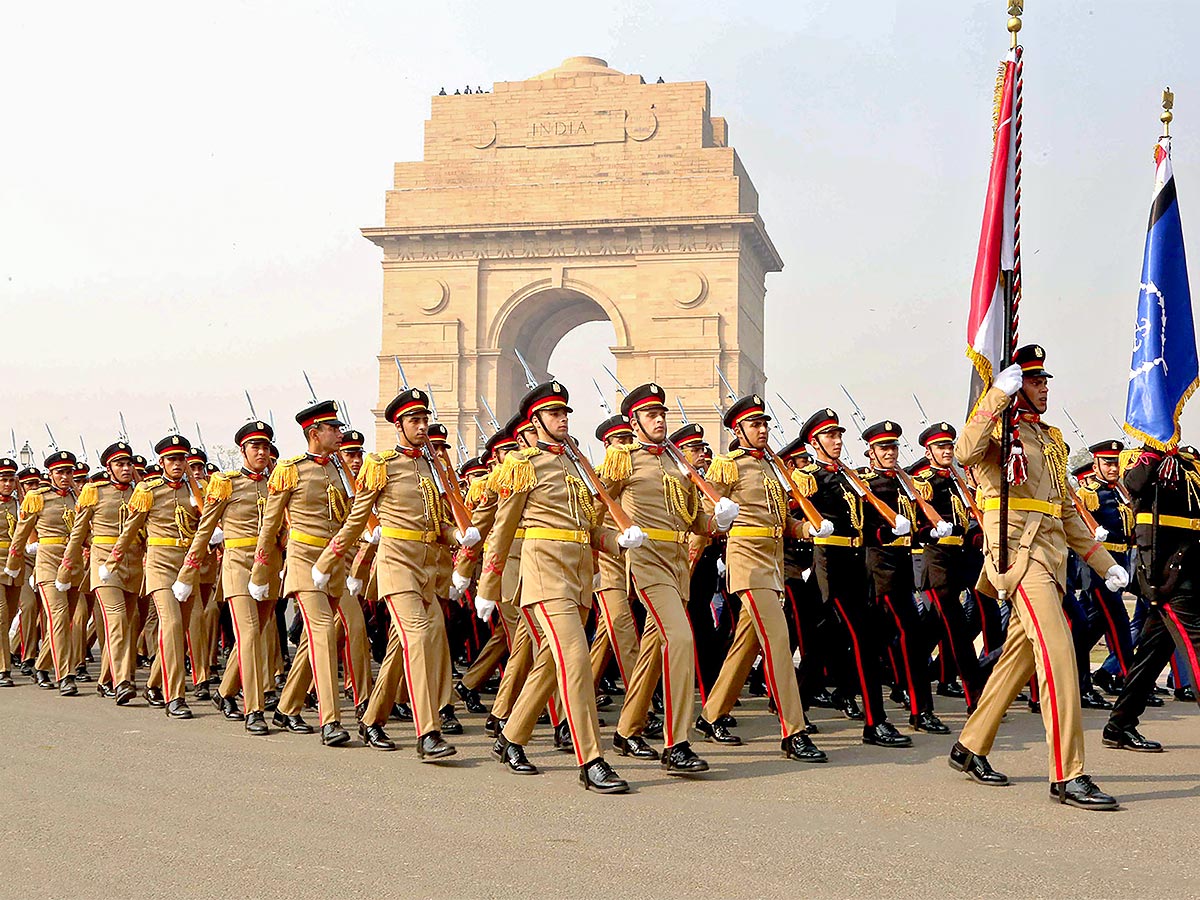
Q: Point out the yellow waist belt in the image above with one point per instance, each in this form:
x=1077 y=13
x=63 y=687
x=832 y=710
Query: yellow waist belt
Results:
x=951 y=540
x=1169 y=521
x=409 y=534
x=1022 y=505
x=557 y=534
x=104 y=540
x=666 y=536
x=519 y=534
x=51 y=541
x=232 y=543
x=166 y=542
x=311 y=539
x=1114 y=547
x=905 y=541
x=836 y=540
x=756 y=531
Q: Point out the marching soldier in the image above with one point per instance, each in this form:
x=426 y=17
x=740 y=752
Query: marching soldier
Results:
x=11 y=585
x=234 y=504
x=1042 y=524
x=439 y=443
x=102 y=510
x=356 y=641
x=306 y=491
x=203 y=624
x=28 y=480
x=168 y=510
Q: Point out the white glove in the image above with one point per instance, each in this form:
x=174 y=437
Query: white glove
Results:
x=181 y=591
x=376 y=534
x=825 y=529
x=484 y=608
x=902 y=526
x=1009 y=380
x=1101 y=533
x=468 y=538
x=320 y=579
x=725 y=511
x=1116 y=578
x=31 y=549
x=720 y=567
x=61 y=586
x=11 y=573
x=32 y=583
x=218 y=537
x=258 y=591
x=353 y=586
x=460 y=582
x=104 y=573
x=631 y=538
x=942 y=529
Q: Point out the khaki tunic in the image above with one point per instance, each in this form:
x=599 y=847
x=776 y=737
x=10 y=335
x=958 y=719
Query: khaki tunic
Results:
x=99 y=518
x=167 y=510
x=236 y=502
x=51 y=513
x=9 y=516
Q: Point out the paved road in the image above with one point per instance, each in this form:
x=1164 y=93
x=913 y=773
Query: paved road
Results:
x=117 y=803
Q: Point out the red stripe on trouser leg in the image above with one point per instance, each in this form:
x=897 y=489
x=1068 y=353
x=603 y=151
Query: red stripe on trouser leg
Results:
x=668 y=722
x=908 y=671
x=862 y=675
x=696 y=658
x=535 y=636
x=312 y=657
x=1057 y=738
x=237 y=642
x=1189 y=648
x=561 y=666
x=162 y=666
x=348 y=656
x=611 y=628
x=937 y=601
x=408 y=672
x=107 y=643
x=1112 y=633
x=41 y=590
x=768 y=662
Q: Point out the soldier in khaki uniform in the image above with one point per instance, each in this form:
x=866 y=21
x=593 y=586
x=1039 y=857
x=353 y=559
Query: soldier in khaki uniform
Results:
x=10 y=585
x=356 y=641
x=166 y=507
x=202 y=626
x=50 y=513
x=543 y=491
x=443 y=585
x=83 y=619
x=101 y=514
x=234 y=504
x=1042 y=524
x=402 y=488
x=307 y=492
x=754 y=571
x=29 y=479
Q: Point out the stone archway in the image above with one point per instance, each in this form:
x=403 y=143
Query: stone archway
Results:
x=580 y=194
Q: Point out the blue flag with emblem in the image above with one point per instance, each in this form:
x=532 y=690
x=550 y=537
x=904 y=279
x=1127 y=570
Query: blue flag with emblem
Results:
x=1164 y=369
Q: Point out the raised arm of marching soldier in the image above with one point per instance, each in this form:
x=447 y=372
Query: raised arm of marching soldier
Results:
x=273 y=519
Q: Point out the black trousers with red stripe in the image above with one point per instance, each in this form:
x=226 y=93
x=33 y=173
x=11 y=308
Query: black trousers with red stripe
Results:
x=1172 y=624
x=958 y=642
x=813 y=631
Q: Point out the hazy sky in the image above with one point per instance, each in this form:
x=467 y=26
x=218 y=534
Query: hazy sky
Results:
x=181 y=189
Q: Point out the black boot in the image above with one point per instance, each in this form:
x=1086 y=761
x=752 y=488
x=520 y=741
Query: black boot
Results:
x=178 y=709
x=824 y=700
x=928 y=722
x=885 y=735
x=1083 y=793
x=470 y=698
x=1128 y=738
x=450 y=723
x=334 y=735
x=599 y=776
x=717 y=733
x=202 y=692
x=294 y=724
x=562 y=738
x=634 y=746
x=513 y=757
x=256 y=723
x=270 y=701
x=608 y=686
x=432 y=746
x=849 y=707
x=229 y=708
x=680 y=759
x=977 y=767
x=6 y=679
x=1107 y=682
x=375 y=737
x=1185 y=694
x=809 y=727
x=800 y=746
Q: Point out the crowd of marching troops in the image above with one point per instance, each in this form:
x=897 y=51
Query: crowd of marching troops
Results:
x=414 y=585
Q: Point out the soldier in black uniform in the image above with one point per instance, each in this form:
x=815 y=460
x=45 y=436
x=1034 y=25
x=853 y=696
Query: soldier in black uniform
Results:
x=841 y=571
x=1166 y=503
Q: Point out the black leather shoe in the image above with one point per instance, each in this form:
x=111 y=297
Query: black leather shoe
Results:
x=375 y=737
x=492 y=726
x=885 y=735
x=810 y=728
x=470 y=698
x=202 y=692
x=280 y=681
x=1035 y=706
x=599 y=776
x=1154 y=700
x=1083 y=793
x=1128 y=738
x=67 y=688
x=513 y=757
x=608 y=686
x=977 y=767
x=360 y=710
x=256 y=723
x=800 y=746
x=929 y=722
x=27 y=668
x=603 y=701
x=334 y=735
x=727 y=720
x=1160 y=690
x=178 y=709
x=42 y=679
x=1185 y=694
x=270 y=701
x=562 y=738
x=680 y=759
x=899 y=696
x=849 y=708
x=229 y=708
x=82 y=674
x=1093 y=699
x=105 y=690
x=1021 y=697
x=450 y=723
x=717 y=733
x=143 y=662
x=653 y=728
x=6 y=679
x=544 y=718
x=432 y=746
x=950 y=689
x=656 y=702
x=824 y=700
x=310 y=701
x=634 y=746
x=402 y=712
x=154 y=697
x=1107 y=682
x=294 y=724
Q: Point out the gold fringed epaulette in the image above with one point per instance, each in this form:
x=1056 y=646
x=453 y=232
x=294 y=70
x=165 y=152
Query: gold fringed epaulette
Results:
x=285 y=477
x=1128 y=458
x=143 y=495
x=723 y=469
x=88 y=496
x=373 y=475
x=617 y=464
x=1089 y=498
x=516 y=474
x=924 y=488
x=220 y=488
x=475 y=493
x=805 y=483
x=33 y=503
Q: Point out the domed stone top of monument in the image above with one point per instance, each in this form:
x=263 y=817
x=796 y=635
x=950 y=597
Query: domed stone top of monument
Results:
x=579 y=65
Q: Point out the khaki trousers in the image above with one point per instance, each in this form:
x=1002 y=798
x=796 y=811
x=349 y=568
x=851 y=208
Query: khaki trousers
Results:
x=619 y=633
x=418 y=648
x=82 y=636
x=316 y=658
x=356 y=648
x=168 y=670
x=667 y=650
x=198 y=632
x=562 y=661
x=1039 y=639
x=524 y=641
x=492 y=653
x=253 y=620
x=58 y=651
x=149 y=625
x=10 y=605
x=761 y=623
x=31 y=616
x=118 y=610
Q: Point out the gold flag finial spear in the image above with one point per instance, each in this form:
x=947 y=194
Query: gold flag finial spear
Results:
x=1016 y=9
x=1168 y=103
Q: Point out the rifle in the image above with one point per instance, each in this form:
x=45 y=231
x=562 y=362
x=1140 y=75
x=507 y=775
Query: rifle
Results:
x=193 y=485
x=604 y=404
x=491 y=415
x=1084 y=513
x=250 y=403
x=372 y=520
x=964 y=492
x=921 y=410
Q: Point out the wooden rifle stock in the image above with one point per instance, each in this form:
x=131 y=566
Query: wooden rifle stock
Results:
x=811 y=514
x=889 y=514
x=458 y=509
x=1084 y=513
x=930 y=512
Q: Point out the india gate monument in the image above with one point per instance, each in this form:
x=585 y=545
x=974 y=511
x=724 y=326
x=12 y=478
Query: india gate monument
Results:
x=577 y=195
